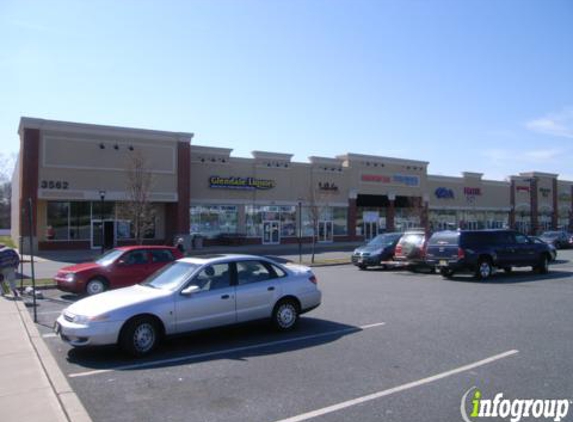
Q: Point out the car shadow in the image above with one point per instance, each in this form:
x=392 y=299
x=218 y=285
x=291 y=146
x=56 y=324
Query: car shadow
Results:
x=516 y=277
x=238 y=342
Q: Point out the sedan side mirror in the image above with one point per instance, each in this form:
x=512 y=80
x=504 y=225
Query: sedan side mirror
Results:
x=190 y=290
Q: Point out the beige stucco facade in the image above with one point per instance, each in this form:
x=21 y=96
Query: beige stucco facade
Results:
x=65 y=167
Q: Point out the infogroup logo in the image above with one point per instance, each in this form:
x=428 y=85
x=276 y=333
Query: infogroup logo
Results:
x=514 y=409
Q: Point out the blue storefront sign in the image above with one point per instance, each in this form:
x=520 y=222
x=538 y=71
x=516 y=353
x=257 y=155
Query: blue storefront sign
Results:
x=444 y=193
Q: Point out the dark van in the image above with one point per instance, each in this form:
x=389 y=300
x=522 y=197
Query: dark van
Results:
x=482 y=251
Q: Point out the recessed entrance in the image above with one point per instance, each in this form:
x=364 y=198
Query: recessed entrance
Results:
x=271 y=232
x=108 y=234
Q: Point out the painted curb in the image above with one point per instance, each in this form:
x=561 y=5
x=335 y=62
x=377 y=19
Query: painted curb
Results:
x=69 y=401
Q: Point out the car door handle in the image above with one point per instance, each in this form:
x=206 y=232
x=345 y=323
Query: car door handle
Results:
x=225 y=297
x=270 y=289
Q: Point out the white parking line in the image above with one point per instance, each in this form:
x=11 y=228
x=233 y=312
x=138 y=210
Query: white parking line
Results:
x=49 y=335
x=403 y=387
x=226 y=351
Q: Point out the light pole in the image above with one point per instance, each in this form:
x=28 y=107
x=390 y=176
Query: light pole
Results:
x=102 y=197
x=299 y=231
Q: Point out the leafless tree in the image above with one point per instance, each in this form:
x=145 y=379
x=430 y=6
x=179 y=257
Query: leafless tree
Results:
x=7 y=162
x=316 y=208
x=138 y=208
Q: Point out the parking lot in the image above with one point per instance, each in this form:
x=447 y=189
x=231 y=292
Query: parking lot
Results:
x=384 y=345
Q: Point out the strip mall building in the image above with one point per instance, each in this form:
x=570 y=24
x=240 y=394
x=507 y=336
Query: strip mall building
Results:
x=76 y=175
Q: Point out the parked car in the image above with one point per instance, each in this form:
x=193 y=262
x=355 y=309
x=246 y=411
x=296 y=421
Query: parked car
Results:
x=411 y=249
x=377 y=251
x=119 y=267
x=552 y=248
x=192 y=294
x=482 y=251
x=559 y=239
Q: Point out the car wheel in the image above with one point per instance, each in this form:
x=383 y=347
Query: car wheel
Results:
x=285 y=315
x=484 y=269
x=95 y=286
x=444 y=272
x=543 y=266
x=508 y=270
x=362 y=267
x=139 y=336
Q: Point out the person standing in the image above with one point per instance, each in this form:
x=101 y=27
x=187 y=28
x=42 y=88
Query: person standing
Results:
x=9 y=261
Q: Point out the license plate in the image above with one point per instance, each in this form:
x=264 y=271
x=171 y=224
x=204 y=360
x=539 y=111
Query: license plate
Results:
x=443 y=263
x=57 y=328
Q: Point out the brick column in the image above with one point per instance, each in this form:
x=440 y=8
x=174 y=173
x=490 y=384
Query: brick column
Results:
x=512 y=205
x=30 y=156
x=555 y=215
x=425 y=221
x=390 y=213
x=177 y=219
x=351 y=218
x=533 y=206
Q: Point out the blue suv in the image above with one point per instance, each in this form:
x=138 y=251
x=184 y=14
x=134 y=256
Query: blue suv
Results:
x=482 y=251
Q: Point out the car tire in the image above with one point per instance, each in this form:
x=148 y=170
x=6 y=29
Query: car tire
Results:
x=96 y=286
x=446 y=273
x=362 y=267
x=285 y=315
x=484 y=269
x=140 y=336
x=543 y=266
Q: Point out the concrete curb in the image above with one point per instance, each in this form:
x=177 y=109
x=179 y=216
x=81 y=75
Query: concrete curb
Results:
x=69 y=401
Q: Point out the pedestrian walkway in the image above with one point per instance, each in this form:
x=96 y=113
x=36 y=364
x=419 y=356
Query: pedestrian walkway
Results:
x=32 y=387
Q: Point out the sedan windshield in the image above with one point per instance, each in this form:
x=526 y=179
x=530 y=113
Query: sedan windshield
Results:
x=171 y=276
x=108 y=257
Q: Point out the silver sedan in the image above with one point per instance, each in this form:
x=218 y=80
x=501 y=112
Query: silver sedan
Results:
x=191 y=294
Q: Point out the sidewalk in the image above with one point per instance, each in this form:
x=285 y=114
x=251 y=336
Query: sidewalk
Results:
x=32 y=386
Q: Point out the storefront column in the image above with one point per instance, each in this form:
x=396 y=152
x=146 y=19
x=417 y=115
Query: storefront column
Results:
x=533 y=206
x=177 y=215
x=555 y=215
x=390 y=212
x=30 y=147
x=351 y=216
x=512 y=205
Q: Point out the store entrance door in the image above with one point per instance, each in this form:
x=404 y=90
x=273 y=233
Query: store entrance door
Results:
x=370 y=230
x=271 y=233
x=325 y=231
x=108 y=234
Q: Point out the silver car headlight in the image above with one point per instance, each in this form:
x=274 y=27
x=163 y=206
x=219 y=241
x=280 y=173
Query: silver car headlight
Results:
x=83 y=319
x=70 y=277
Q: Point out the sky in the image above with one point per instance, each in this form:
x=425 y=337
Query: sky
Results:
x=482 y=86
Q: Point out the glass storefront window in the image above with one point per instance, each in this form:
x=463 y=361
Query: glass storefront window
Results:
x=58 y=220
x=108 y=210
x=80 y=220
x=213 y=220
x=288 y=221
x=340 y=220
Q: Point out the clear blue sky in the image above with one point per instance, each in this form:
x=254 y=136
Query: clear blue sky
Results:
x=482 y=86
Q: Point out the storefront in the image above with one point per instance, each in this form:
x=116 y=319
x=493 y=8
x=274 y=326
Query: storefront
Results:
x=80 y=181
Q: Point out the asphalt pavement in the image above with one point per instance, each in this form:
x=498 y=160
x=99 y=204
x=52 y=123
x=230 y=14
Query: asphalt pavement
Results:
x=384 y=345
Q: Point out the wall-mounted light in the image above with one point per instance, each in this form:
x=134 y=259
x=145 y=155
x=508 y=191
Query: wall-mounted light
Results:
x=102 y=146
x=130 y=148
x=116 y=147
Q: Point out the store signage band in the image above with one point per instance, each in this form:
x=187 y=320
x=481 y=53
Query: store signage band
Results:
x=395 y=179
x=242 y=183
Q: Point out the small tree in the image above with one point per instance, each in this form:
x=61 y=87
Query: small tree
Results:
x=7 y=162
x=138 y=207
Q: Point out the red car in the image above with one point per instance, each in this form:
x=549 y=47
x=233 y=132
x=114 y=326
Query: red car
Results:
x=119 y=267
